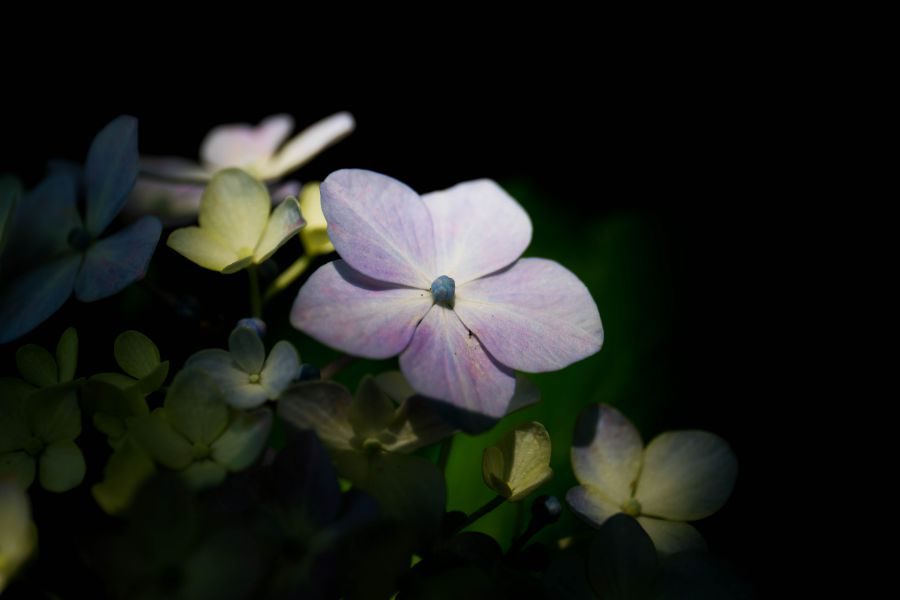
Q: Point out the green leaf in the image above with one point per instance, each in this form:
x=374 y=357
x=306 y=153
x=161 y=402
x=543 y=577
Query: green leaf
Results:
x=519 y=463
x=67 y=354
x=164 y=444
x=241 y=444
x=19 y=465
x=37 y=366
x=195 y=408
x=128 y=467
x=622 y=563
x=61 y=466
x=54 y=415
x=136 y=354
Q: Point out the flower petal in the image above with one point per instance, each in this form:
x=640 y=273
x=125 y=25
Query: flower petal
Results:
x=172 y=203
x=136 y=354
x=113 y=263
x=37 y=366
x=308 y=143
x=62 y=466
x=29 y=300
x=315 y=235
x=687 y=475
x=110 y=172
x=380 y=227
x=207 y=249
x=282 y=366
x=195 y=408
x=606 y=452
x=244 y=439
x=591 y=504
x=446 y=362
x=67 y=354
x=478 y=229
x=156 y=435
x=535 y=316
x=204 y=474
x=127 y=468
x=670 y=537
x=20 y=465
x=54 y=416
x=283 y=223
x=173 y=167
x=236 y=207
x=243 y=145
x=519 y=463
x=321 y=406
x=347 y=310
x=247 y=349
x=234 y=383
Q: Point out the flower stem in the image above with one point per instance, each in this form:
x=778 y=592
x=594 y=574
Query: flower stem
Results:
x=255 y=299
x=336 y=366
x=491 y=505
x=444 y=456
x=288 y=276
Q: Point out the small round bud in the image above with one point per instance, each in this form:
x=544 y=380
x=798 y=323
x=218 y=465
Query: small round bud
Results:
x=257 y=325
x=546 y=509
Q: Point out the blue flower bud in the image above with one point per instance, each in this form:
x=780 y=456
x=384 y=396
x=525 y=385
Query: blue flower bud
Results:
x=257 y=325
x=443 y=289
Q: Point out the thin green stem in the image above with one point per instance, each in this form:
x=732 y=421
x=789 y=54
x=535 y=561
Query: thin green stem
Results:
x=444 y=456
x=491 y=505
x=288 y=276
x=255 y=298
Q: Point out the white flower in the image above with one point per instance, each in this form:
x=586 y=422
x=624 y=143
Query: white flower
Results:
x=680 y=476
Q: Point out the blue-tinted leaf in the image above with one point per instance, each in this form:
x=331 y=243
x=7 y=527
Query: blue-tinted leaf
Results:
x=67 y=354
x=110 y=171
x=32 y=298
x=10 y=192
x=43 y=221
x=118 y=260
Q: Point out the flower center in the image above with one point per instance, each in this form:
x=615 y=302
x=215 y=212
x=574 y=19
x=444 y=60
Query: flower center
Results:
x=254 y=378
x=34 y=446
x=200 y=451
x=632 y=507
x=443 y=289
x=79 y=239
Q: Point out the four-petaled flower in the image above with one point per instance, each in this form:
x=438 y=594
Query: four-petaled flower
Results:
x=438 y=280
x=170 y=187
x=680 y=476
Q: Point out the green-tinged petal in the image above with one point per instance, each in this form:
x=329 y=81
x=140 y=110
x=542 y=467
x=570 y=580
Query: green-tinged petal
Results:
x=282 y=366
x=37 y=366
x=207 y=249
x=195 y=408
x=315 y=235
x=241 y=444
x=67 y=354
x=670 y=537
x=161 y=441
x=283 y=223
x=61 y=466
x=18 y=535
x=236 y=207
x=10 y=194
x=687 y=475
x=321 y=406
x=204 y=474
x=371 y=411
x=128 y=467
x=29 y=300
x=117 y=261
x=54 y=416
x=110 y=425
x=19 y=465
x=416 y=424
x=408 y=488
x=235 y=384
x=14 y=428
x=622 y=563
x=136 y=354
x=519 y=463
x=592 y=504
x=122 y=382
x=154 y=380
x=247 y=349
x=607 y=451
x=110 y=171
x=395 y=385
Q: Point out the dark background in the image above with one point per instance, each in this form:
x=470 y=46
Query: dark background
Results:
x=685 y=157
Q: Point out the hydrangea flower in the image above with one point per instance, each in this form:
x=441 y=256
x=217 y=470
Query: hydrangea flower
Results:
x=315 y=235
x=253 y=149
x=236 y=228
x=680 y=476
x=197 y=434
x=519 y=463
x=18 y=535
x=246 y=376
x=56 y=252
x=437 y=279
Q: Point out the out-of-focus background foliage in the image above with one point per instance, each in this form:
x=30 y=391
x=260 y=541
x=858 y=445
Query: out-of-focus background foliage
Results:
x=646 y=194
